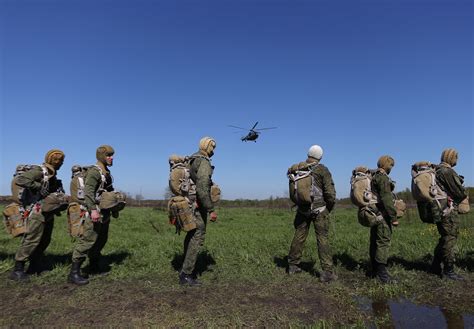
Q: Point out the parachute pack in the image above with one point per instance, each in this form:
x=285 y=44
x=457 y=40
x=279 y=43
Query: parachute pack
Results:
x=303 y=190
x=21 y=195
x=78 y=180
x=181 y=205
x=363 y=197
x=432 y=201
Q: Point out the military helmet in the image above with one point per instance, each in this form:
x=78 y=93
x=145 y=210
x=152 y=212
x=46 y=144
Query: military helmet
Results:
x=207 y=145
x=315 y=152
x=55 y=158
x=103 y=152
x=450 y=156
x=386 y=162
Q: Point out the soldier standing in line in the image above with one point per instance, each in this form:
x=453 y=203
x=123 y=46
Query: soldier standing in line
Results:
x=448 y=227
x=381 y=233
x=201 y=173
x=96 y=226
x=323 y=205
x=38 y=183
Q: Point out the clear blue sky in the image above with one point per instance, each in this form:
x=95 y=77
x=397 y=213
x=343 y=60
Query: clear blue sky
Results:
x=360 y=78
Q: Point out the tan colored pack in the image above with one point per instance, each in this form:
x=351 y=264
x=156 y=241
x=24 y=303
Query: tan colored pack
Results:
x=113 y=201
x=76 y=215
x=464 y=207
x=361 y=190
x=15 y=219
x=180 y=182
x=55 y=202
x=302 y=187
x=401 y=207
x=367 y=217
x=180 y=213
x=215 y=193
x=424 y=186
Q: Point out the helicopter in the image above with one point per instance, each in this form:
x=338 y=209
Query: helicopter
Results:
x=253 y=133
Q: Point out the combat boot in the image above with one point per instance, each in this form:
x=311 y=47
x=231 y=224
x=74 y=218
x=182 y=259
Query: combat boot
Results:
x=188 y=279
x=449 y=273
x=294 y=269
x=383 y=275
x=327 y=276
x=435 y=267
x=75 y=275
x=18 y=273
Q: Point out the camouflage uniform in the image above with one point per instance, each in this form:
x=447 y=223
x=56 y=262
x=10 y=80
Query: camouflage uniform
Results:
x=448 y=227
x=304 y=217
x=381 y=234
x=95 y=235
x=39 y=225
x=201 y=173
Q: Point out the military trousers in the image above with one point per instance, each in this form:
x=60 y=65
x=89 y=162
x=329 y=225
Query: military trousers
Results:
x=448 y=229
x=194 y=241
x=39 y=228
x=302 y=224
x=93 y=240
x=380 y=239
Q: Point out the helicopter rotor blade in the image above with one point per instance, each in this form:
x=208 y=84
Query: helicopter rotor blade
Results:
x=237 y=127
x=266 y=128
x=256 y=123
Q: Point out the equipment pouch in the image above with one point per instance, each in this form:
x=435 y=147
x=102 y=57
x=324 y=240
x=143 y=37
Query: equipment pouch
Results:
x=15 y=223
x=368 y=218
x=463 y=207
x=180 y=213
x=75 y=219
x=215 y=193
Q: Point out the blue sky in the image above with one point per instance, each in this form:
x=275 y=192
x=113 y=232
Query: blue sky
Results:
x=359 y=78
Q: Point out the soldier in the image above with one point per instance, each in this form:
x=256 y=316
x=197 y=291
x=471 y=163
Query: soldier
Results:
x=201 y=173
x=96 y=225
x=38 y=183
x=448 y=227
x=381 y=233
x=320 y=218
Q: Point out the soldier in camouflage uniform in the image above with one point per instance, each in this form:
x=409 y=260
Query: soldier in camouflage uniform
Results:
x=39 y=225
x=305 y=216
x=448 y=227
x=381 y=233
x=96 y=225
x=201 y=173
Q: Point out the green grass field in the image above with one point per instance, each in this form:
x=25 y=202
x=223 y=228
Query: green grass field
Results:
x=242 y=267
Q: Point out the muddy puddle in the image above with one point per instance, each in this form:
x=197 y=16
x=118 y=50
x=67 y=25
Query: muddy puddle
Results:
x=404 y=314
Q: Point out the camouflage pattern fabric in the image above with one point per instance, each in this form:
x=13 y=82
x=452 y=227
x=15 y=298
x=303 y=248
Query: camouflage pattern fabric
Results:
x=37 y=237
x=448 y=227
x=303 y=219
x=201 y=173
x=194 y=241
x=93 y=240
x=92 y=184
x=302 y=224
x=381 y=234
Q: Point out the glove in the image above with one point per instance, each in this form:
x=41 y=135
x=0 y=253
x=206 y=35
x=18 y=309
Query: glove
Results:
x=115 y=214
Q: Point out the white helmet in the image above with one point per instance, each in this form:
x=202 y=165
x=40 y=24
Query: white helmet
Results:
x=316 y=152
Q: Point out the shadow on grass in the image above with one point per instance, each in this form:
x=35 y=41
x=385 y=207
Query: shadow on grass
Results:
x=467 y=263
x=421 y=264
x=282 y=262
x=348 y=262
x=203 y=262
